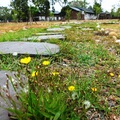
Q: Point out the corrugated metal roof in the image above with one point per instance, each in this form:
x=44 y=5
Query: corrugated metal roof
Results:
x=78 y=9
x=75 y=8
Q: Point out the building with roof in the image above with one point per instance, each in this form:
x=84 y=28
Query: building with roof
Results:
x=86 y=14
x=104 y=15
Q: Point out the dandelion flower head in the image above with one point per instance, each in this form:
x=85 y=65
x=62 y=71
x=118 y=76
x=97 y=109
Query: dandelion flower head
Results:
x=71 y=88
x=25 y=60
x=46 y=62
x=34 y=73
x=94 y=89
x=112 y=74
x=119 y=76
x=55 y=73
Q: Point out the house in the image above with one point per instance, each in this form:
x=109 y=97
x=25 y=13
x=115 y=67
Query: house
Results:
x=53 y=16
x=86 y=14
x=74 y=12
x=57 y=15
x=104 y=15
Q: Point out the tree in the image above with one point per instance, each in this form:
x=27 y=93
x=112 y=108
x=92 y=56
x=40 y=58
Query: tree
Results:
x=118 y=13
x=79 y=3
x=97 y=8
x=113 y=13
x=22 y=9
x=79 y=15
x=5 y=14
x=63 y=11
x=68 y=14
x=34 y=12
x=43 y=6
x=14 y=15
x=62 y=3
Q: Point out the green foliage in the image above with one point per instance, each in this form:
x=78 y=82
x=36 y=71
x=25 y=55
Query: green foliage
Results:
x=68 y=14
x=5 y=14
x=63 y=11
x=97 y=8
x=114 y=13
x=43 y=6
x=79 y=15
x=81 y=3
x=14 y=16
x=22 y=9
x=34 y=11
x=118 y=13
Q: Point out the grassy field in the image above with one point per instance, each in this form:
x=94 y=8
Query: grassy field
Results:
x=81 y=82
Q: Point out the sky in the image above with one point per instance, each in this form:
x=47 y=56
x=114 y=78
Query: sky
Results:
x=106 y=4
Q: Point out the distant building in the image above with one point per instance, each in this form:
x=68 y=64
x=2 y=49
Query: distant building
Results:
x=55 y=16
x=86 y=14
x=104 y=15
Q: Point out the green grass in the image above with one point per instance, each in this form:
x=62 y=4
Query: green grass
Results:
x=15 y=36
x=81 y=63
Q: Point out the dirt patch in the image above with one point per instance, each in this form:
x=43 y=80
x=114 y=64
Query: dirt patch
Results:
x=6 y=27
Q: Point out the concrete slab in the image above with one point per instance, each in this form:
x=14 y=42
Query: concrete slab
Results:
x=66 y=27
x=49 y=33
x=45 y=37
x=55 y=29
x=61 y=28
x=31 y=48
x=3 y=79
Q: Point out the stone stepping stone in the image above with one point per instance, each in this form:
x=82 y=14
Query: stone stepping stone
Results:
x=31 y=48
x=66 y=27
x=50 y=33
x=55 y=29
x=62 y=28
x=3 y=79
x=45 y=37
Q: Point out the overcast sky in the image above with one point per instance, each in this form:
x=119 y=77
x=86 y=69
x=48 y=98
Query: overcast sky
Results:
x=106 y=4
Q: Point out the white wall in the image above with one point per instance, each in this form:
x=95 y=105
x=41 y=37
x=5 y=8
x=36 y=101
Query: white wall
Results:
x=89 y=17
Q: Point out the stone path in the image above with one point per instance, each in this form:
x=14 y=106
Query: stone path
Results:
x=32 y=48
x=3 y=79
x=45 y=37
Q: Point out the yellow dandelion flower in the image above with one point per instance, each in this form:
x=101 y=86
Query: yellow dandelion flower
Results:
x=112 y=74
x=71 y=88
x=118 y=76
x=46 y=62
x=55 y=73
x=94 y=89
x=34 y=73
x=25 y=60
